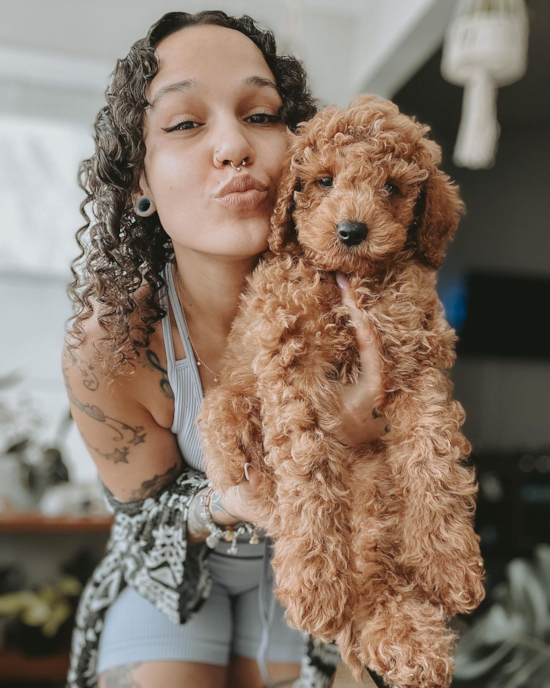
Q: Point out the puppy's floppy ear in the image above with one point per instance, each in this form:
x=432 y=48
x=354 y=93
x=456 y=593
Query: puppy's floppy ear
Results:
x=282 y=229
x=439 y=208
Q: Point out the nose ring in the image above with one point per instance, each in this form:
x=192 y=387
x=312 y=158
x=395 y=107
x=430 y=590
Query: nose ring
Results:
x=243 y=162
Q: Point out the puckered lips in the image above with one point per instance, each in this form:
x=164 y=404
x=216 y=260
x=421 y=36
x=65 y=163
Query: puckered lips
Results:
x=243 y=190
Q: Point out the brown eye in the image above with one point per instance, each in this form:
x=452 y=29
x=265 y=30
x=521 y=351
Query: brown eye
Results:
x=326 y=182
x=391 y=189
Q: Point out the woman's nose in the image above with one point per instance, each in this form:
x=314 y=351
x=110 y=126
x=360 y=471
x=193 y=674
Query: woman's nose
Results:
x=231 y=146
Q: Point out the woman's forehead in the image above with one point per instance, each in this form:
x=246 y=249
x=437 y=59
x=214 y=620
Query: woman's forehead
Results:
x=206 y=50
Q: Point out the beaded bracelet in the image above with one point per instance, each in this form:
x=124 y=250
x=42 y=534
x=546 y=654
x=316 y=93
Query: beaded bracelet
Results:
x=227 y=533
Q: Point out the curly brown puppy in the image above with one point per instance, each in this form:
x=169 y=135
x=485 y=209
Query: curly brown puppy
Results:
x=374 y=547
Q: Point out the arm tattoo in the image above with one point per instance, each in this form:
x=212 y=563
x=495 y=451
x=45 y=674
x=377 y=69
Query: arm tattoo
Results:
x=122 y=677
x=151 y=487
x=116 y=456
x=89 y=378
x=153 y=362
x=124 y=433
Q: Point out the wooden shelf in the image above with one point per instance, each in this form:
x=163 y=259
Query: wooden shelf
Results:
x=16 y=666
x=30 y=522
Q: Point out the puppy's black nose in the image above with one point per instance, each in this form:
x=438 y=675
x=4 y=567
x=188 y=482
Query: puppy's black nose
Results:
x=352 y=233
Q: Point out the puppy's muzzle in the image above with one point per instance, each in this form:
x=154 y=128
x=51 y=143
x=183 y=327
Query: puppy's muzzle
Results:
x=352 y=233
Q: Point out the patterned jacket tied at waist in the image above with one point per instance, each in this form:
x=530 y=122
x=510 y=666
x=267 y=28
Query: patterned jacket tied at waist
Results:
x=148 y=550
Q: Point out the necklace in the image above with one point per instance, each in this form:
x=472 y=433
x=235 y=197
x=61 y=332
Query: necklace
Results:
x=178 y=294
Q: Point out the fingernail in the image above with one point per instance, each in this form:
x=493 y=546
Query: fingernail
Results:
x=342 y=281
x=246 y=471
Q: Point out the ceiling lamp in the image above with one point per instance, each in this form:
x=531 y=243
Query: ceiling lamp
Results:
x=485 y=47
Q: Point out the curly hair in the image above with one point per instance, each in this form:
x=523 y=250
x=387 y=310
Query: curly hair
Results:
x=119 y=250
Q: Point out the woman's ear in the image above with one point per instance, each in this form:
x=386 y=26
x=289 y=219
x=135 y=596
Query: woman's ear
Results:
x=440 y=213
x=141 y=189
x=282 y=227
x=142 y=199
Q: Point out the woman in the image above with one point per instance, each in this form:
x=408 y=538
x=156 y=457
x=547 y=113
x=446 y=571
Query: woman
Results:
x=189 y=151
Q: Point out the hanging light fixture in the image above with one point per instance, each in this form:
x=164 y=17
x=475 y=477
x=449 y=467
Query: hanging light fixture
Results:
x=485 y=47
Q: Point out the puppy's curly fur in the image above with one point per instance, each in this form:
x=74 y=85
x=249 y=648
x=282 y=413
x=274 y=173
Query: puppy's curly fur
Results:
x=375 y=546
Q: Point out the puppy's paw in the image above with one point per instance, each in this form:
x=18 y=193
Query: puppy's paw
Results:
x=409 y=645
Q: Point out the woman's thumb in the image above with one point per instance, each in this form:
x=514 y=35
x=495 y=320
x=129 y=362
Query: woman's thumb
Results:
x=347 y=297
x=342 y=281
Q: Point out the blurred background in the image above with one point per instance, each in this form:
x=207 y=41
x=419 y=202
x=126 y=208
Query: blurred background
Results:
x=476 y=71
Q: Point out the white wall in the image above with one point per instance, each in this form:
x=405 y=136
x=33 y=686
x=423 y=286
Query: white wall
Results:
x=39 y=195
x=33 y=310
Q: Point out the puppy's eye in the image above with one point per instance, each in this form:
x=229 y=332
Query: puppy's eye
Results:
x=326 y=182
x=391 y=189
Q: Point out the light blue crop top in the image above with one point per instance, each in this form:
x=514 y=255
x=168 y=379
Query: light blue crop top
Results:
x=184 y=379
x=185 y=382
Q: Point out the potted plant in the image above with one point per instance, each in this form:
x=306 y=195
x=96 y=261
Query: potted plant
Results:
x=509 y=646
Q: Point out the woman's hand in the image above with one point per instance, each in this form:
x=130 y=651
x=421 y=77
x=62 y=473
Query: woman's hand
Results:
x=358 y=423
x=233 y=505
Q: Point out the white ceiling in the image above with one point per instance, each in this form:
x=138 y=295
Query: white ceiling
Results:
x=107 y=28
x=345 y=44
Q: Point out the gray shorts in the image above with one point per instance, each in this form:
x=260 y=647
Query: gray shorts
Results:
x=233 y=620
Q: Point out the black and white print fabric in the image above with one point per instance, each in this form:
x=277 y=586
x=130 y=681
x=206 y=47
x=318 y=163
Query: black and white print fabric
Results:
x=148 y=550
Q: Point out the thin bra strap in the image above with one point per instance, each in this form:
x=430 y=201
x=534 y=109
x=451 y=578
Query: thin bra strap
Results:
x=176 y=309
x=166 y=329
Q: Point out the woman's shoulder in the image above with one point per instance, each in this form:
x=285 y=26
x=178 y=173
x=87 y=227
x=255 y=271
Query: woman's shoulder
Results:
x=125 y=421
x=145 y=380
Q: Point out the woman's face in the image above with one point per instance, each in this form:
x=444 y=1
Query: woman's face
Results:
x=209 y=100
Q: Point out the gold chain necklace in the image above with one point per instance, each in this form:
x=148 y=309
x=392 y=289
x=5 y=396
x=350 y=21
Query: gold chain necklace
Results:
x=199 y=360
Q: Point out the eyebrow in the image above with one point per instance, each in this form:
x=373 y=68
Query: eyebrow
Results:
x=187 y=84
